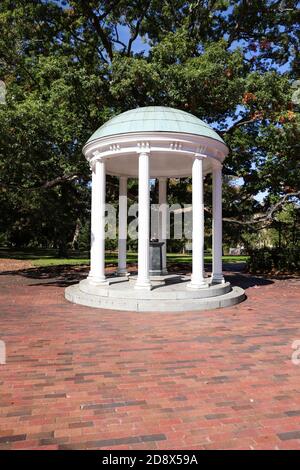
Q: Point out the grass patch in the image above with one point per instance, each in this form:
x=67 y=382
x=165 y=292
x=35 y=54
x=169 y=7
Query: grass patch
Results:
x=48 y=257
x=178 y=258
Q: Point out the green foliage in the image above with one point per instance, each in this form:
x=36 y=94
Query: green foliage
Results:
x=70 y=66
x=274 y=260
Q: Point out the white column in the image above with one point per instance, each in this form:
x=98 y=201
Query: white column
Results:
x=197 y=279
x=143 y=280
x=217 y=275
x=163 y=208
x=97 y=268
x=122 y=266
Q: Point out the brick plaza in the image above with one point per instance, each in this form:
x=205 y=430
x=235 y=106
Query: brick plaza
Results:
x=83 y=378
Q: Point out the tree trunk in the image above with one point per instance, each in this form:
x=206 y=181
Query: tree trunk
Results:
x=62 y=249
x=76 y=234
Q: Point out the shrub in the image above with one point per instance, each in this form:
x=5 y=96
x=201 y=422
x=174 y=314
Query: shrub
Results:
x=266 y=260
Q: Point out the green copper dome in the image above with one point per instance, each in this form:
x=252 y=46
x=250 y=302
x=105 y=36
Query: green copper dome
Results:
x=157 y=119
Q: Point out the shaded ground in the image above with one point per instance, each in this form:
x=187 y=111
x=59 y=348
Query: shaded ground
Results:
x=64 y=275
x=78 y=377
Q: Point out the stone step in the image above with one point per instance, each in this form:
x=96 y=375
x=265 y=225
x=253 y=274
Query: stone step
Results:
x=76 y=295
x=125 y=290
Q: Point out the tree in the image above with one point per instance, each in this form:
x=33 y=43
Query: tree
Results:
x=70 y=66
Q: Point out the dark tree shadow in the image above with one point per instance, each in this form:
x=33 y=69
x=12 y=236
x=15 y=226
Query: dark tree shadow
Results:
x=247 y=280
x=61 y=276
x=65 y=275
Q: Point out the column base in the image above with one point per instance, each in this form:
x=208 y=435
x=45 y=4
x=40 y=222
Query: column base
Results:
x=122 y=272
x=217 y=279
x=197 y=285
x=143 y=285
x=97 y=281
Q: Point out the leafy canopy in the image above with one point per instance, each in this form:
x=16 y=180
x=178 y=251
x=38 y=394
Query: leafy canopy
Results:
x=70 y=66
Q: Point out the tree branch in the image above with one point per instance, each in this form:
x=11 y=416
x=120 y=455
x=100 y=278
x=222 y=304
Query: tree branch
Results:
x=117 y=40
x=137 y=28
x=279 y=203
x=59 y=180
x=97 y=26
x=46 y=185
x=241 y=122
x=267 y=218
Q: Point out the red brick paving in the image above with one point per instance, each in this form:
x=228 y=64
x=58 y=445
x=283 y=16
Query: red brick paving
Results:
x=78 y=377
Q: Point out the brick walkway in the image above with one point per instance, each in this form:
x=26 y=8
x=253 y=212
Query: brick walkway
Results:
x=83 y=378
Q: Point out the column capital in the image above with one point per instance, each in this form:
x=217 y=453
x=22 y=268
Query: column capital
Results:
x=92 y=165
x=96 y=154
x=199 y=156
x=216 y=164
x=95 y=158
x=143 y=147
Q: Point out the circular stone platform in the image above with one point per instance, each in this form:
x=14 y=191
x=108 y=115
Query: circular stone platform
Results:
x=170 y=297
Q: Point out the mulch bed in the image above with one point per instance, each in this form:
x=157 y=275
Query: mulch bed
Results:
x=14 y=264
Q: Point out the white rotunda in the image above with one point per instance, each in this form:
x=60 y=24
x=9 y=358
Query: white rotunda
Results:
x=147 y=143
